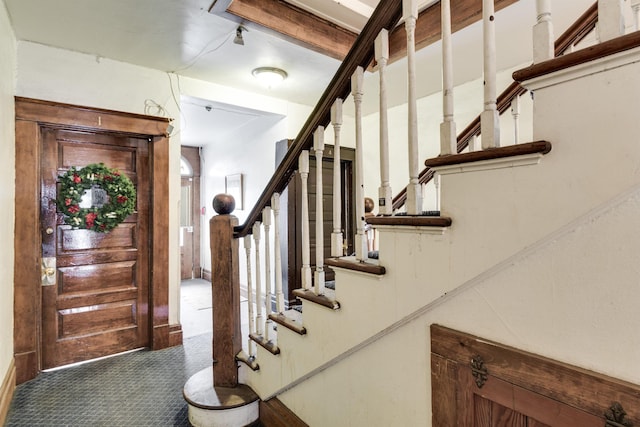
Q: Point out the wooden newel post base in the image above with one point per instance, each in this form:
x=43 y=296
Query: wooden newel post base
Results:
x=225 y=293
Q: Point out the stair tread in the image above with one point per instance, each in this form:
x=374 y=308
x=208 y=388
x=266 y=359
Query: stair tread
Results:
x=542 y=147
x=371 y=266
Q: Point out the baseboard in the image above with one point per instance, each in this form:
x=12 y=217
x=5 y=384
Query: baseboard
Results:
x=273 y=413
x=26 y=366
x=175 y=335
x=206 y=274
x=6 y=391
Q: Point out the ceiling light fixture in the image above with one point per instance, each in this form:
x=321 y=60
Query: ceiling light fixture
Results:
x=269 y=76
x=239 y=40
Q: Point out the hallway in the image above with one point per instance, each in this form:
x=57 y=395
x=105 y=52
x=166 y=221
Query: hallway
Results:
x=140 y=388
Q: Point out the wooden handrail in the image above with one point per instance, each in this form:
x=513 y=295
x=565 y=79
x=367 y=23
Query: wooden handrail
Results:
x=386 y=16
x=574 y=34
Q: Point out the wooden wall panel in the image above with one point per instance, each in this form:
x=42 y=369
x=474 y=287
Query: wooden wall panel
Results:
x=544 y=391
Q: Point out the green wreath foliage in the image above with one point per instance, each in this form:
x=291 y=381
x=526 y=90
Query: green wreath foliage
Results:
x=119 y=204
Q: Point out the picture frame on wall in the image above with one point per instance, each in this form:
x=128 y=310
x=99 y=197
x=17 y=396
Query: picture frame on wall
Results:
x=233 y=186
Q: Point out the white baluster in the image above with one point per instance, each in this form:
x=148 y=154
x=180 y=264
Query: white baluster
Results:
x=361 y=241
x=336 y=237
x=385 y=196
x=303 y=166
x=610 y=19
x=474 y=143
x=543 y=38
x=635 y=7
x=318 y=147
x=515 y=113
x=489 y=119
x=448 y=136
x=259 y=303
x=266 y=223
x=414 y=191
x=436 y=182
x=252 y=321
x=275 y=206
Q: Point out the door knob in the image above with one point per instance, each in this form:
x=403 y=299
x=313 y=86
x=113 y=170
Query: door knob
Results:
x=49 y=230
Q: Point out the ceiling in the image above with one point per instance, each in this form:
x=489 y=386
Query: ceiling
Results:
x=194 y=38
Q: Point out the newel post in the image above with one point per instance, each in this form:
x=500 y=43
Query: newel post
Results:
x=225 y=292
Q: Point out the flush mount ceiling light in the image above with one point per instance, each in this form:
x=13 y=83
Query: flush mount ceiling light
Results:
x=269 y=76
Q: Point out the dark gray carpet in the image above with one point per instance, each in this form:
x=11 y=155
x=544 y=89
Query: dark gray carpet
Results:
x=142 y=388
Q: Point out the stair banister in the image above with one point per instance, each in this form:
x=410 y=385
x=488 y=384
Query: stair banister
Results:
x=385 y=193
x=318 y=148
x=361 y=241
x=336 y=236
x=490 y=121
x=448 y=125
x=610 y=19
x=584 y=25
x=268 y=284
x=386 y=15
x=303 y=164
x=250 y=302
x=259 y=303
x=543 y=32
x=414 y=189
x=279 y=295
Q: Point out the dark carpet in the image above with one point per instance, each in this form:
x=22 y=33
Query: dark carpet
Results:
x=143 y=388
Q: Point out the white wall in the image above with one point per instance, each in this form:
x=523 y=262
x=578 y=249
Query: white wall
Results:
x=7 y=189
x=251 y=153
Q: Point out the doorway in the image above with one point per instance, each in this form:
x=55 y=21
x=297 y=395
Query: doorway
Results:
x=190 y=213
x=145 y=136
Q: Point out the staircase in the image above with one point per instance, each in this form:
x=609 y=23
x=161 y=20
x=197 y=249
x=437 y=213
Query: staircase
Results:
x=535 y=246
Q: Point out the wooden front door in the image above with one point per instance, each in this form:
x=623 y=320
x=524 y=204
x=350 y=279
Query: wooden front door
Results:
x=99 y=304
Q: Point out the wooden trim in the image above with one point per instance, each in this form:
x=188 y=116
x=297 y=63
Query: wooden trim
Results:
x=363 y=267
x=318 y=299
x=578 y=30
x=386 y=15
x=175 y=335
x=283 y=320
x=31 y=115
x=416 y=221
x=296 y=25
x=578 y=57
x=27 y=292
x=274 y=413
x=7 y=389
x=206 y=274
x=542 y=147
x=94 y=119
x=159 y=280
x=267 y=345
x=588 y=391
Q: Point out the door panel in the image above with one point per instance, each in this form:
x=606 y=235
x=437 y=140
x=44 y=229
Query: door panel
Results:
x=99 y=304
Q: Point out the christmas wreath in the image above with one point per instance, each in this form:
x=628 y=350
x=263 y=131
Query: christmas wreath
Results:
x=95 y=197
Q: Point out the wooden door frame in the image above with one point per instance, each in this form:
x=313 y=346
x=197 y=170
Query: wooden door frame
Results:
x=31 y=116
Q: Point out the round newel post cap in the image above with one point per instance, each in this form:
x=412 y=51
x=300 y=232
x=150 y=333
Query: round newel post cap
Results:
x=369 y=204
x=224 y=204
